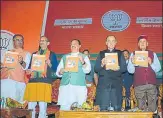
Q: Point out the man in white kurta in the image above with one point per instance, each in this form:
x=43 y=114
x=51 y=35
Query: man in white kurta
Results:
x=13 y=80
x=73 y=84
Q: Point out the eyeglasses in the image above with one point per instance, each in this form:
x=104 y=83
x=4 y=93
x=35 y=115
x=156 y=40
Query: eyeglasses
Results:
x=18 y=40
x=43 y=41
x=114 y=41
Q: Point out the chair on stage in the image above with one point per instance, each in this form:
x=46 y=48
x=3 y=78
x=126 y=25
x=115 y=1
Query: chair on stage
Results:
x=132 y=100
x=160 y=99
x=91 y=94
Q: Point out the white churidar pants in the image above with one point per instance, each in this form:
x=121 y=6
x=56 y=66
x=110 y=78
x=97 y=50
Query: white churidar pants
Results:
x=42 y=109
x=69 y=94
x=13 y=89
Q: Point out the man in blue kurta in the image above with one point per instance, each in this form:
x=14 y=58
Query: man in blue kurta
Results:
x=39 y=88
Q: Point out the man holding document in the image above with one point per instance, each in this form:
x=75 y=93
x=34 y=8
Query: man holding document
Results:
x=73 y=68
x=15 y=62
x=144 y=64
x=110 y=65
x=39 y=88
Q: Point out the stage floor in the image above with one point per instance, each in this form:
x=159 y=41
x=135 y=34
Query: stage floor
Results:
x=91 y=114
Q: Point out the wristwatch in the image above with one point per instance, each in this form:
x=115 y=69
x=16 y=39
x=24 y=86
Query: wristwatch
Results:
x=83 y=63
x=21 y=62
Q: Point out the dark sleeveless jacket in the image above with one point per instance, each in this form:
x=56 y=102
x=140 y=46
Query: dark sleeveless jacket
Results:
x=110 y=77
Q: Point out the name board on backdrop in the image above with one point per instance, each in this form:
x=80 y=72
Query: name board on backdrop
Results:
x=72 y=23
x=149 y=22
x=155 y=20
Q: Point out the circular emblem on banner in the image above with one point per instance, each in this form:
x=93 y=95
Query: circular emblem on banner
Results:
x=115 y=20
x=6 y=42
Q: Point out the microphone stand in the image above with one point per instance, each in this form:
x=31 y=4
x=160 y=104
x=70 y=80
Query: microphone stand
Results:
x=110 y=108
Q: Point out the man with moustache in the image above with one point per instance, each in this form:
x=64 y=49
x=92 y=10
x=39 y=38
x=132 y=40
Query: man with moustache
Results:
x=109 y=87
x=39 y=88
x=145 y=77
x=91 y=78
x=127 y=79
x=13 y=80
x=73 y=85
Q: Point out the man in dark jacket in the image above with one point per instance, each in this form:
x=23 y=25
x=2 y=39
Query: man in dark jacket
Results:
x=109 y=87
